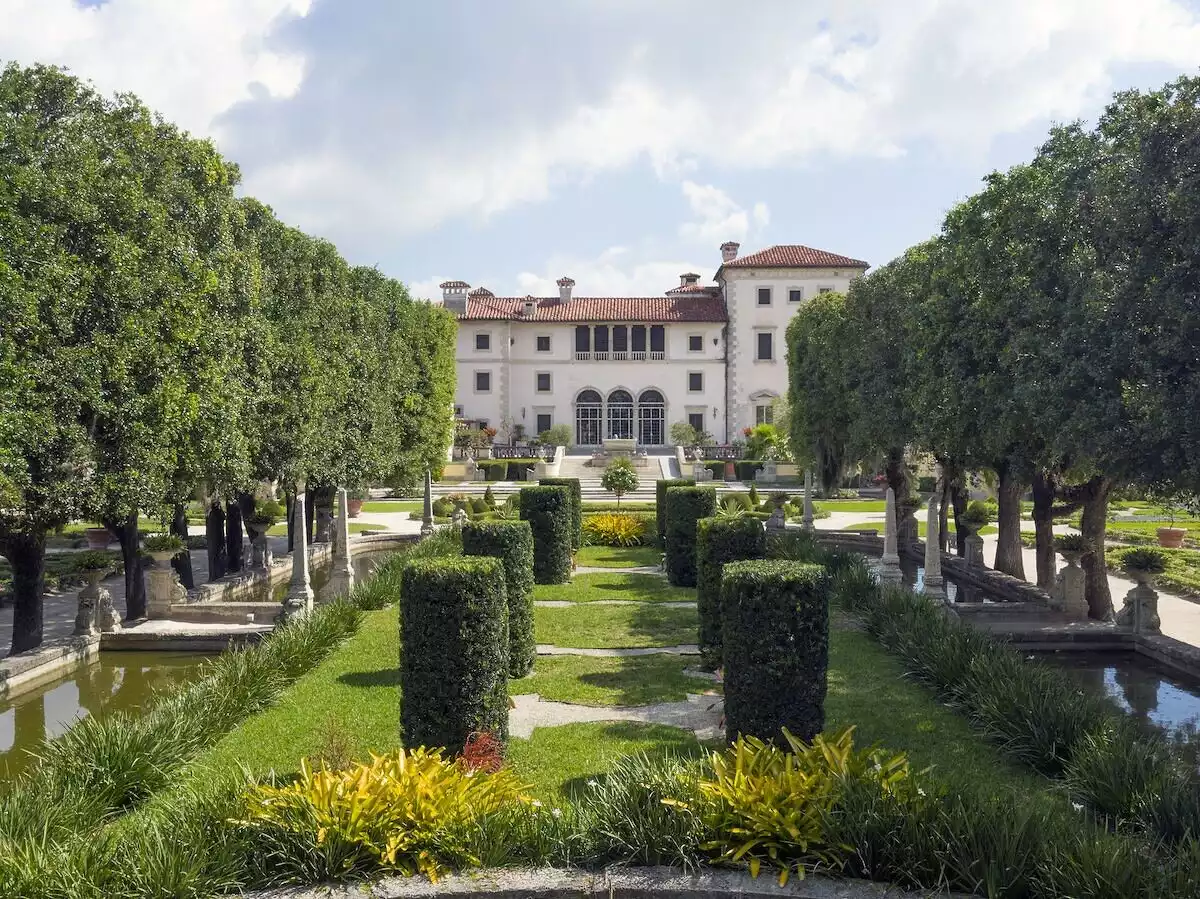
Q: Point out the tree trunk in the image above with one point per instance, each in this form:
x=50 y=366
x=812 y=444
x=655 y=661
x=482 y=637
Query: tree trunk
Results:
x=1093 y=526
x=289 y=504
x=26 y=554
x=126 y=532
x=218 y=552
x=182 y=563
x=1044 y=490
x=310 y=518
x=950 y=475
x=959 y=495
x=1009 y=558
x=235 y=542
x=322 y=499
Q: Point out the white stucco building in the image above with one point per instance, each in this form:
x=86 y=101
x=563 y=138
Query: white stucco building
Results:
x=629 y=367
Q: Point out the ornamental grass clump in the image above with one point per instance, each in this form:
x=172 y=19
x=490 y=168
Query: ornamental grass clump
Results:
x=409 y=812
x=512 y=543
x=720 y=540
x=684 y=507
x=548 y=511
x=614 y=529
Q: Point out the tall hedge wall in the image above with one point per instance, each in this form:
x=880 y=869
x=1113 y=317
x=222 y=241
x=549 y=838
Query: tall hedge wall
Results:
x=718 y=541
x=684 y=507
x=453 y=651
x=548 y=511
x=512 y=543
x=775 y=638
x=576 y=505
x=660 y=505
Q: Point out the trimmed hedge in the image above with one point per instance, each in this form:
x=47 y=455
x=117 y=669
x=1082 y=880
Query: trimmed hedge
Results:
x=720 y=540
x=453 y=652
x=576 y=505
x=660 y=504
x=512 y=543
x=506 y=469
x=684 y=507
x=775 y=632
x=548 y=511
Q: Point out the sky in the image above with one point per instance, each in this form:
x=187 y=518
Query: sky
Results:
x=506 y=143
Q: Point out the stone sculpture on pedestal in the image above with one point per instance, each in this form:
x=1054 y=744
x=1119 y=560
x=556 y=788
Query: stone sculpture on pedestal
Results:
x=299 y=600
x=889 y=564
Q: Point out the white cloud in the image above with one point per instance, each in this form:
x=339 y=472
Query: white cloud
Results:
x=615 y=272
x=718 y=217
x=189 y=59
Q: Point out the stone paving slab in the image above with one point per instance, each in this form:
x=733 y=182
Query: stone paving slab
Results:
x=686 y=649
x=566 y=603
x=598 y=569
x=702 y=715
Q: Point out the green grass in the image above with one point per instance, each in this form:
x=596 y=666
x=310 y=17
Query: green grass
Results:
x=610 y=505
x=618 y=556
x=612 y=682
x=386 y=506
x=850 y=505
x=617 y=585
x=614 y=627
x=877 y=527
x=1182 y=574
x=356 y=527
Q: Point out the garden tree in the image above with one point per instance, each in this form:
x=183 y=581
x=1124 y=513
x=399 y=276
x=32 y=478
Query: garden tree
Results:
x=820 y=341
x=558 y=435
x=620 y=478
x=683 y=434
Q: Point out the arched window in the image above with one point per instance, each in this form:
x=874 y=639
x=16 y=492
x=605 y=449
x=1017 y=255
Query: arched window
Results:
x=652 y=419
x=620 y=415
x=589 y=417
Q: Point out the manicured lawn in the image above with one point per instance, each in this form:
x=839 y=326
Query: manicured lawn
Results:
x=877 y=527
x=1182 y=574
x=610 y=505
x=395 y=505
x=618 y=556
x=356 y=527
x=850 y=505
x=614 y=627
x=617 y=585
x=610 y=682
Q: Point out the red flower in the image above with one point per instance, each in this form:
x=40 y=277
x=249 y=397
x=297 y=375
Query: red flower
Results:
x=746 y=432
x=483 y=752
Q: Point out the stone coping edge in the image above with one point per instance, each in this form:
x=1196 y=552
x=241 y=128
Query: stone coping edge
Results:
x=614 y=883
x=26 y=670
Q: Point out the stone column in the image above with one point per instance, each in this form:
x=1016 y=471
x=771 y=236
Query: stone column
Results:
x=341 y=581
x=162 y=587
x=1140 y=611
x=934 y=584
x=807 y=522
x=89 y=602
x=427 y=516
x=299 y=600
x=889 y=565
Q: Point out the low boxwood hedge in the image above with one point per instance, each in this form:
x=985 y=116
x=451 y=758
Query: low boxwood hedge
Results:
x=775 y=637
x=453 y=652
x=720 y=540
x=660 y=504
x=548 y=511
x=684 y=507
x=506 y=469
x=512 y=543
x=576 y=506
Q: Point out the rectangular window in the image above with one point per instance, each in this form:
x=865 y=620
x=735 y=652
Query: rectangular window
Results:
x=696 y=420
x=658 y=339
x=543 y=343
x=766 y=345
x=483 y=382
x=543 y=422
x=695 y=382
x=543 y=382
x=764 y=296
x=600 y=338
x=824 y=290
x=583 y=339
x=638 y=336
x=620 y=339
x=764 y=414
x=796 y=295
x=483 y=341
x=695 y=343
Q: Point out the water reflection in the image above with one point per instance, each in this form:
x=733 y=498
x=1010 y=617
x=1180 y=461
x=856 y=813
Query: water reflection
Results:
x=1140 y=687
x=118 y=681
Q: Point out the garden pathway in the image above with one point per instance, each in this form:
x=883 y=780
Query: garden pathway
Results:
x=567 y=604
x=684 y=649
x=703 y=715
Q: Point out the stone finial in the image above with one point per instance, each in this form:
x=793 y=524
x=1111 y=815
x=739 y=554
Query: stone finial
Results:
x=459 y=518
x=1140 y=611
x=427 y=513
x=299 y=600
x=934 y=584
x=889 y=567
x=729 y=250
x=341 y=580
x=807 y=521
x=565 y=285
x=777 y=523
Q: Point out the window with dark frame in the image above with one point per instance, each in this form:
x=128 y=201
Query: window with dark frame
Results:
x=695 y=343
x=766 y=346
x=764 y=296
x=543 y=343
x=695 y=382
x=544 y=420
x=483 y=381
x=796 y=295
x=543 y=382
x=483 y=341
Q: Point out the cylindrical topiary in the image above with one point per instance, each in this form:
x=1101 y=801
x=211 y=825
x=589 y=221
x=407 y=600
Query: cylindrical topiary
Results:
x=660 y=504
x=453 y=651
x=684 y=507
x=775 y=643
x=576 y=506
x=548 y=511
x=512 y=543
x=718 y=541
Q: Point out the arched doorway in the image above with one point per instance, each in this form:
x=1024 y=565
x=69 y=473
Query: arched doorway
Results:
x=620 y=415
x=589 y=418
x=652 y=419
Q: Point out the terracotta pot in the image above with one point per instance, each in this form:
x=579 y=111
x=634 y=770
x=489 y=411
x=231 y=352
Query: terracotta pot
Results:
x=354 y=507
x=730 y=471
x=98 y=538
x=1171 y=538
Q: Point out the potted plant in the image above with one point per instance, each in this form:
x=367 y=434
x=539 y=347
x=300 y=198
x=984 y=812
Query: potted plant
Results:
x=976 y=518
x=162 y=547
x=1072 y=547
x=1143 y=565
x=93 y=563
x=267 y=513
x=355 y=499
x=98 y=538
x=1171 y=537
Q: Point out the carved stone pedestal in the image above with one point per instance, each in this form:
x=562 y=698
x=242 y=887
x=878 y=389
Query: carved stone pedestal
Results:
x=162 y=587
x=89 y=603
x=1140 y=611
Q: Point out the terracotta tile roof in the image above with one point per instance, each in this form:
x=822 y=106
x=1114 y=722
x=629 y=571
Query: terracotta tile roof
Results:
x=690 y=308
x=794 y=256
x=694 y=288
x=480 y=292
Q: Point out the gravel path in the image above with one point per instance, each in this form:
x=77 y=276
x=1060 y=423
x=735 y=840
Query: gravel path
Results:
x=687 y=649
x=700 y=714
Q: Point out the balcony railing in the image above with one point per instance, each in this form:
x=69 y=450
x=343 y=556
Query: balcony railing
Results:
x=657 y=355
x=600 y=355
x=620 y=356
x=582 y=357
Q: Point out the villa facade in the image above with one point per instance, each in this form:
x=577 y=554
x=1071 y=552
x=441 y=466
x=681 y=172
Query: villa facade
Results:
x=629 y=367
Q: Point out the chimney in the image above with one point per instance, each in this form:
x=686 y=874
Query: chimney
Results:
x=688 y=279
x=529 y=307
x=564 y=289
x=454 y=296
x=729 y=251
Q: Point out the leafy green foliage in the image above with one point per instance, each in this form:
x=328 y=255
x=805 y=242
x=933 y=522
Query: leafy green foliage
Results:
x=557 y=435
x=720 y=540
x=683 y=508
x=660 y=503
x=619 y=478
x=454 y=651
x=775 y=635
x=512 y=543
x=614 y=529
x=1152 y=561
x=576 y=505
x=548 y=511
